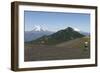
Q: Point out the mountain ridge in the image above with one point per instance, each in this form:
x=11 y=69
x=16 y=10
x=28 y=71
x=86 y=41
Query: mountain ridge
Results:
x=58 y=37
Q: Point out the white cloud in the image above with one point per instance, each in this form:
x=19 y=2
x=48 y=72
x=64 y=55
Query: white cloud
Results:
x=76 y=29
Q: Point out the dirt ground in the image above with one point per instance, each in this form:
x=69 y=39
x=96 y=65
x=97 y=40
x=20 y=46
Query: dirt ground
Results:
x=44 y=52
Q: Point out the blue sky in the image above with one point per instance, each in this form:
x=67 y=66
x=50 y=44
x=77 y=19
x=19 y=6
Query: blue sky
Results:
x=54 y=21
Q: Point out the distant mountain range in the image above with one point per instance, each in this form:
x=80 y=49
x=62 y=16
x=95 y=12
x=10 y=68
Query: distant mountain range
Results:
x=58 y=37
x=37 y=32
x=85 y=33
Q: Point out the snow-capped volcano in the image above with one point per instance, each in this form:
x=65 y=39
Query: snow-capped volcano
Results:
x=36 y=32
x=38 y=28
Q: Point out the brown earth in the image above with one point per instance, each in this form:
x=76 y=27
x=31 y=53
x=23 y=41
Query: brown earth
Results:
x=68 y=50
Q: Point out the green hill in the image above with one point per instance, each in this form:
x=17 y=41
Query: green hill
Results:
x=58 y=37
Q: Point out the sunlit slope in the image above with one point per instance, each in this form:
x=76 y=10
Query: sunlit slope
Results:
x=77 y=43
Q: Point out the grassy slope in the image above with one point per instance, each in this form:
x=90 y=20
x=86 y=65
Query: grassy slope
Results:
x=77 y=43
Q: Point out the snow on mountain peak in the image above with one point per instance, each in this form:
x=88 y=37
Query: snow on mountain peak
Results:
x=38 y=28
